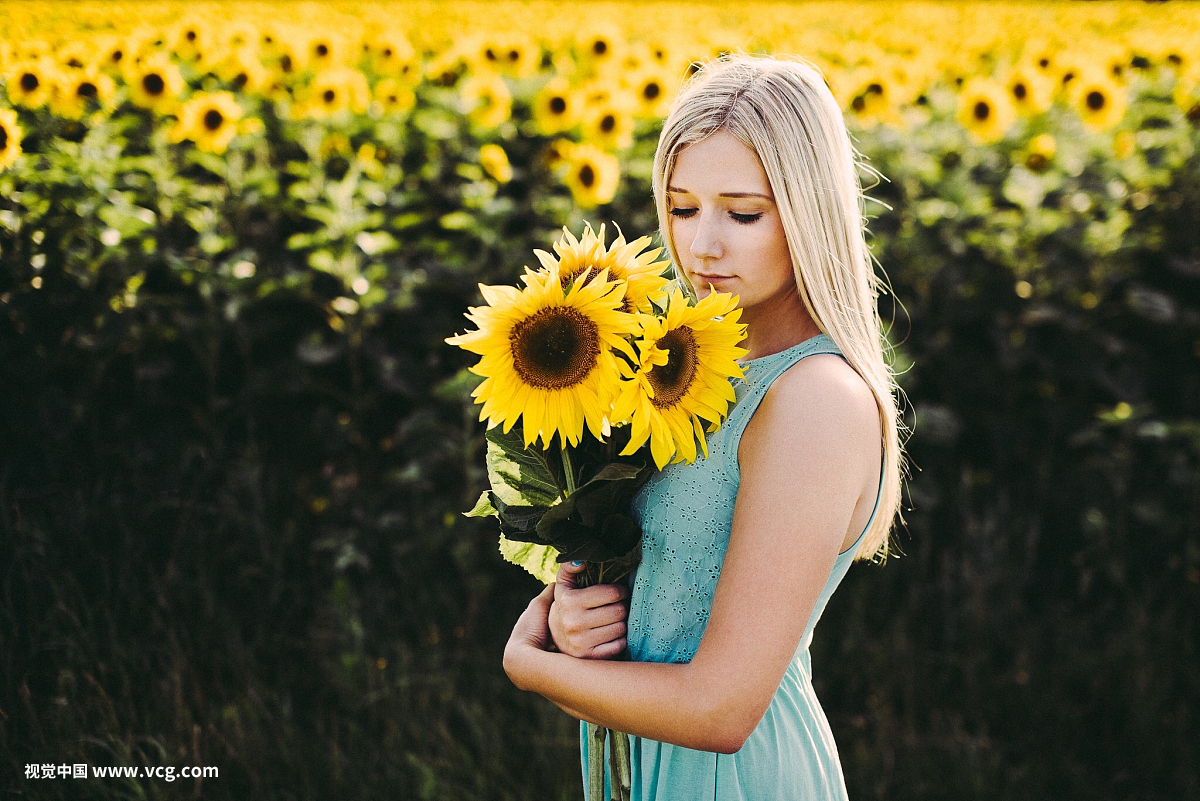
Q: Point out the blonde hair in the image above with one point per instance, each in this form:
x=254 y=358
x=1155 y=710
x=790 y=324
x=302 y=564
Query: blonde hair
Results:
x=783 y=111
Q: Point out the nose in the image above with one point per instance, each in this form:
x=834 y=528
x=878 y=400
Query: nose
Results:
x=706 y=244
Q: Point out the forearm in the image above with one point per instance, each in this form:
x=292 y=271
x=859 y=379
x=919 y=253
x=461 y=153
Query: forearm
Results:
x=660 y=701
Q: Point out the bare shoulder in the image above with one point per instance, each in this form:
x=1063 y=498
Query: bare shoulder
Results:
x=822 y=393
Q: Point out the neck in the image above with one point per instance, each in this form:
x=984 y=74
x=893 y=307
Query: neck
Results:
x=771 y=328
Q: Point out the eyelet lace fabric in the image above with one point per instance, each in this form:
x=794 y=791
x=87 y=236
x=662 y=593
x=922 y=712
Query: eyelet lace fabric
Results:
x=686 y=514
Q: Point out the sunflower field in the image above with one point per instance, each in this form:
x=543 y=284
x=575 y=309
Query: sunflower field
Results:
x=235 y=446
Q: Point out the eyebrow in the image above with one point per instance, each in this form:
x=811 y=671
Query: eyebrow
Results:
x=725 y=194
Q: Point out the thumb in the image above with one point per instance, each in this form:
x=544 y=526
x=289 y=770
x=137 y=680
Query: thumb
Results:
x=567 y=573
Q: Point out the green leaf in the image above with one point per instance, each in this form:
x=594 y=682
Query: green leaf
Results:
x=540 y=560
x=521 y=476
x=483 y=507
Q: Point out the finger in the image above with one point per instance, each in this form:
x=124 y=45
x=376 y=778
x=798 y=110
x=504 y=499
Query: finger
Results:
x=602 y=595
x=610 y=649
x=566 y=574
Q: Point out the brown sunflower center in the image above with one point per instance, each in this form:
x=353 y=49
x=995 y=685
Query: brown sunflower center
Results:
x=555 y=348
x=213 y=119
x=86 y=89
x=29 y=82
x=3 y=139
x=1095 y=100
x=587 y=176
x=607 y=123
x=154 y=84
x=651 y=90
x=672 y=380
x=983 y=111
x=329 y=96
x=1019 y=91
x=558 y=105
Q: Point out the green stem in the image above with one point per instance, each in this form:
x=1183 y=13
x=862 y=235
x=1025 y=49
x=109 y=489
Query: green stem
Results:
x=568 y=469
x=596 y=762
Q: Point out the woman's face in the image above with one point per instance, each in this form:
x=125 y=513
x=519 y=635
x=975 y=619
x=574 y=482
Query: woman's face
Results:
x=727 y=230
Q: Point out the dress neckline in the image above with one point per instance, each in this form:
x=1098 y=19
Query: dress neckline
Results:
x=771 y=358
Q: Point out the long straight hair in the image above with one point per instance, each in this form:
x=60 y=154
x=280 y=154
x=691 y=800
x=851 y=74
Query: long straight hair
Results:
x=782 y=109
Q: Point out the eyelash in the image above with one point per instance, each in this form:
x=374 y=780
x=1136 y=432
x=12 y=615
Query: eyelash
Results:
x=744 y=219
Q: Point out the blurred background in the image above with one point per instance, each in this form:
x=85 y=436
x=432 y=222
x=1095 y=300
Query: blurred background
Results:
x=235 y=449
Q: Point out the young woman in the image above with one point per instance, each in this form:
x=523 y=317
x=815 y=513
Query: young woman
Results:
x=757 y=192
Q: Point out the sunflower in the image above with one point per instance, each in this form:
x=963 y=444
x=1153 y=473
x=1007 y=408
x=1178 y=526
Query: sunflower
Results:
x=592 y=175
x=651 y=92
x=79 y=90
x=686 y=359
x=192 y=41
x=1030 y=90
x=155 y=83
x=510 y=52
x=495 y=163
x=31 y=83
x=548 y=355
x=871 y=100
x=394 y=57
x=555 y=108
x=985 y=110
x=209 y=120
x=394 y=97
x=1099 y=100
x=335 y=90
x=587 y=258
x=486 y=99
x=241 y=68
x=600 y=47
x=10 y=138
x=609 y=127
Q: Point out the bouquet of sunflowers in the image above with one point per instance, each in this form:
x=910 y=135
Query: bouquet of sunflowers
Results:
x=602 y=352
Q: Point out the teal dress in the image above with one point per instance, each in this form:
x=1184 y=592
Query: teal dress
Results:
x=686 y=512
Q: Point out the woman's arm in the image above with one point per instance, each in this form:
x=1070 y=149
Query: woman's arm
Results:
x=803 y=460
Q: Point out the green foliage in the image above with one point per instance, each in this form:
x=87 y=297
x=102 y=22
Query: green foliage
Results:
x=232 y=483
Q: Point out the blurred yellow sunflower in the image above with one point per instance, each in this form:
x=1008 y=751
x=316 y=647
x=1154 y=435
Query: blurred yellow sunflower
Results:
x=209 y=119
x=509 y=52
x=10 y=138
x=592 y=175
x=555 y=108
x=609 y=127
x=495 y=163
x=31 y=83
x=486 y=99
x=985 y=110
x=1099 y=100
x=1030 y=90
x=548 y=355
x=394 y=97
x=192 y=41
x=155 y=83
x=394 y=57
x=871 y=97
x=334 y=90
x=588 y=257
x=651 y=91
x=79 y=91
x=601 y=46
x=241 y=68
x=681 y=378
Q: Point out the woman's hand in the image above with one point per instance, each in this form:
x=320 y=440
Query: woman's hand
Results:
x=530 y=635
x=588 y=623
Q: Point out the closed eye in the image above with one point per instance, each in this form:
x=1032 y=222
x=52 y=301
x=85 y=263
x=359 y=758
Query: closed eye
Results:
x=746 y=219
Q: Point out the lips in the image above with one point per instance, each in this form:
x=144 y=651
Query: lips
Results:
x=703 y=277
